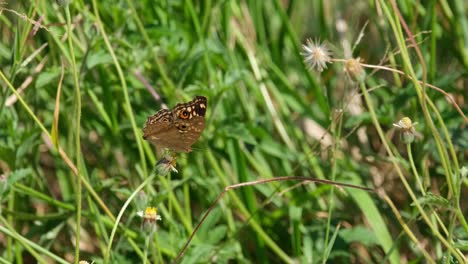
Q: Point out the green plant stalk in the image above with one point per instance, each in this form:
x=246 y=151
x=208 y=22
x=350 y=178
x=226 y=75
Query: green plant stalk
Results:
x=145 y=251
x=46 y=132
x=396 y=77
x=421 y=186
x=461 y=28
x=452 y=221
x=413 y=167
x=336 y=146
x=459 y=212
x=263 y=89
x=77 y=136
x=4 y=261
x=157 y=256
x=237 y=161
x=11 y=200
x=34 y=193
x=207 y=6
x=238 y=202
x=187 y=217
x=408 y=230
x=18 y=250
x=295 y=214
x=419 y=90
x=438 y=141
x=186 y=222
x=29 y=245
x=20 y=216
x=438 y=247
x=450 y=147
x=400 y=174
x=100 y=108
x=48 y=135
x=316 y=169
x=258 y=165
x=277 y=50
x=122 y=211
x=257 y=16
x=433 y=45
x=321 y=100
x=444 y=5
x=169 y=220
x=11 y=206
x=187 y=201
x=149 y=43
x=196 y=23
x=375 y=219
x=127 y=107
x=21 y=45
x=98 y=225
x=130 y=234
x=58 y=40
x=423 y=98
x=26 y=107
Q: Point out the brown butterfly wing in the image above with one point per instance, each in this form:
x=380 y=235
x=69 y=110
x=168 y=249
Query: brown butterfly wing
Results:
x=167 y=137
x=179 y=128
x=196 y=107
x=156 y=124
x=189 y=132
x=179 y=136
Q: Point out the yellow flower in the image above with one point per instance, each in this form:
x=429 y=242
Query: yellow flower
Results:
x=407 y=129
x=405 y=124
x=150 y=216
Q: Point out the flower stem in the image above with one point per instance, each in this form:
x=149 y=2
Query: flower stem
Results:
x=413 y=167
x=402 y=177
x=122 y=211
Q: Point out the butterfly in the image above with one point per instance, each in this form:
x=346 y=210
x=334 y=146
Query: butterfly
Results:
x=179 y=128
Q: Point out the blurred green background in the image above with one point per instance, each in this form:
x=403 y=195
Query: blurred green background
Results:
x=268 y=115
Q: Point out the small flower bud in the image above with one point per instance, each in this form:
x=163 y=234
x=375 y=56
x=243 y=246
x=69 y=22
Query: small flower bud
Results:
x=354 y=70
x=407 y=129
x=166 y=164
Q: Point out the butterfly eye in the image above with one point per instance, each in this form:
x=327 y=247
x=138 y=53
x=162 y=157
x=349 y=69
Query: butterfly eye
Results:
x=184 y=114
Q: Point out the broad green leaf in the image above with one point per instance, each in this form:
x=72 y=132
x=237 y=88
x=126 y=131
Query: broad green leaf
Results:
x=46 y=78
x=100 y=57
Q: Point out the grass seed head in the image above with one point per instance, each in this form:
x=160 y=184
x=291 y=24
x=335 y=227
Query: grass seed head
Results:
x=316 y=55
